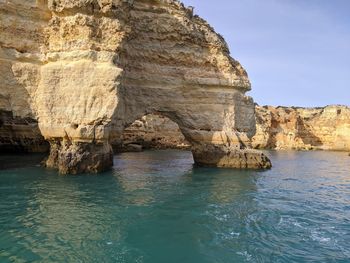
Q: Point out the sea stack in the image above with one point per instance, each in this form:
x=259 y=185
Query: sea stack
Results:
x=86 y=69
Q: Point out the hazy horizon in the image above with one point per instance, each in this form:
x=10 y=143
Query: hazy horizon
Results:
x=296 y=52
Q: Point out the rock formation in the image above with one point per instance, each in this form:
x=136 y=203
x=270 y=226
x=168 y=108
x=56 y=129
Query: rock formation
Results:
x=86 y=69
x=281 y=128
x=18 y=135
x=151 y=131
x=325 y=128
x=21 y=35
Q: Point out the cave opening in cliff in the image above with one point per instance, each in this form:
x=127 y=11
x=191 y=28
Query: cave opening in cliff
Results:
x=20 y=135
x=152 y=131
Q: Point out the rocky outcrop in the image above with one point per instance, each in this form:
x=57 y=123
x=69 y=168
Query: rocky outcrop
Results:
x=86 y=69
x=325 y=128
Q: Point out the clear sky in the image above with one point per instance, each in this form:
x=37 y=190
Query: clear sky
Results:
x=296 y=52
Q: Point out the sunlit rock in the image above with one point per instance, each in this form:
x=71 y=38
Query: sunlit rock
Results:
x=86 y=69
x=325 y=128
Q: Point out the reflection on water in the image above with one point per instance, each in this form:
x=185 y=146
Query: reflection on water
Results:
x=15 y=161
x=157 y=206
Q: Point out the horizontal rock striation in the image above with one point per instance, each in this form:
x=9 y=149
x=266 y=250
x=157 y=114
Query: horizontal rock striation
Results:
x=86 y=69
x=21 y=38
x=325 y=128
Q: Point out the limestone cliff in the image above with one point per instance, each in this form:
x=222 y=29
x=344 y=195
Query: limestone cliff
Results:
x=325 y=128
x=280 y=128
x=21 y=38
x=86 y=69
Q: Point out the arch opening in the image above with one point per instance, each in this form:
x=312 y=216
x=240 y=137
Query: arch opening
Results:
x=151 y=131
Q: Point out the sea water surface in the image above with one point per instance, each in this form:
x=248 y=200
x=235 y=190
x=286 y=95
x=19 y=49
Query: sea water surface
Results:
x=156 y=206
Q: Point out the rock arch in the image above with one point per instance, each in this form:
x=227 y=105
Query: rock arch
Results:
x=152 y=131
x=104 y=63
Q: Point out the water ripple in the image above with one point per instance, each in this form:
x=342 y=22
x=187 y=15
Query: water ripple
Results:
x=158 y=207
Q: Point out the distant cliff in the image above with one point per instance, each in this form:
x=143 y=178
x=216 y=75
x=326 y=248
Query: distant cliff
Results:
x=325 y=128
x=280 y=128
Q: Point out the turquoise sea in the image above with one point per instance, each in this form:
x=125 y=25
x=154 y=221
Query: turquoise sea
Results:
x=157 y=207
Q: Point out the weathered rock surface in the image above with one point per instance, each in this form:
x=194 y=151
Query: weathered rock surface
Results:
x=21 y=35
x=325 y=128
x=79 y=157
x=86 y=69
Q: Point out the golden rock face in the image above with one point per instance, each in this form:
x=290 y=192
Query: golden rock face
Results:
x=281 y=128
x=325 y=128
x=85 y=69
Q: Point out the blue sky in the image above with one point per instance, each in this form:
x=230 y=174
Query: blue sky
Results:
x=296 y=52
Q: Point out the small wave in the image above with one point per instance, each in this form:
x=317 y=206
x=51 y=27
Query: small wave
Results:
x=245 y=254
x=287 y=221
x=318 y=237
x=235 y=234
x=290 y=179
x=221 y=218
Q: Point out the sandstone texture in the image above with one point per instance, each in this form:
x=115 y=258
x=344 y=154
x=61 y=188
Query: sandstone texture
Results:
x=86 y=69
x=325 y=128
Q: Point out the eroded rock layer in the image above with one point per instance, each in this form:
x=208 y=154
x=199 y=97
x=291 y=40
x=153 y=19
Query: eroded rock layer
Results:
x=325 y=128
x=283 y=128
x=21 y=38
x=86 y=69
